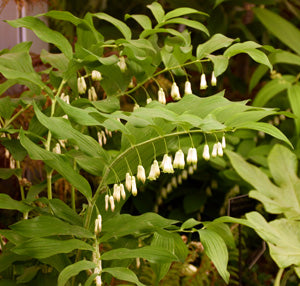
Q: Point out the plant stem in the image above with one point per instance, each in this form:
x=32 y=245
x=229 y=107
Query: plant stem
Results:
x=49 y=184
x=20 y=184
x=278 y=277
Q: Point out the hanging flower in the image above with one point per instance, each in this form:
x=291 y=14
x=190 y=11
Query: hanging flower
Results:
x=57 y=149
x=98 y=224
x=112 y=203
x=133 y=186
x=122 y=191
x=213 y=79
x=175 y=94
x=131 y=84
x=161 y=96
x=81 y=85
x=106 y=202
x=128 y=182
x=188 y=88
x=122 y=64
x=136 y=106
x=220 y=149
x=149 y=99
x=141 y=175
x=191 y=170
x=179 y=179
x=96 y=75
x=166 y=164
x=179 y=160
x=192 y=156
x=117 y=192
x=65 y=98
x=184 y=174
x=92 y=95
x=214 y=152
x=174 y=182
x=203 y=84
x=206 y=155
x=223 y=142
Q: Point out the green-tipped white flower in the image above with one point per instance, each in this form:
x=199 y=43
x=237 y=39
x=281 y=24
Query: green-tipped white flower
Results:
x=161 y=96
x=188 y=88
x=122 y=191
x=149 y=99
x=174 y=182
x=136 y=106
x=184 y=174
x=192 y=156
x=154 y=171
x=213 y=79
x=65 y=98
x=223 y=142
x=117 y=192
x=203 y=84
x=179 y=160
x=92 y=95
x=106 y=202
x=128 y=182
x=166 y=164
x=112 y=203
x=205 y=154
x=141 y=175
x=133 y=186
x=122 y=64
x=220 y=149
x=81 y=85
x=57 y=149
x=175 y=94
x=96 y=75
x=214 y=152
x=98 y=224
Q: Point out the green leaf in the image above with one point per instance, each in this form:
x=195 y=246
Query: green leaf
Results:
x=282 y=236
x=123 y=28
x=15 y=148
x=186 y=22
x=44 y=33
x=64 y=212
x=6 y=202
x=124 y=274
x=216 y=42
x=220 y=64
x=6 y=173
x=45 y=247
x=143 y=20
x=28 y=274
x=42 y=226
x=65 y=16
x=215 y=248
x=249 y=48
x=147 y=33
x=7 y=107
x=191 y=222
x=7 y=258
x=157 y=11
x=182 y=11
x=150 y=253
x=73 y=270
x=57 y=162
x=294 y=98
x=267 y=128
x=271 y=89
x=280 y=28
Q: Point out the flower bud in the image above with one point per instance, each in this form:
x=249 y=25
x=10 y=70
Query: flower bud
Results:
x=57 y=149
x=106 y=202
x=128 y=182
x=98 y=224
x=214 y=152
x=96 y=75
x=223 y=142
x=92 y=95
x=220 y=149
x=122 y=191
x=117 y=192
x=133 y=186
x=112 y=203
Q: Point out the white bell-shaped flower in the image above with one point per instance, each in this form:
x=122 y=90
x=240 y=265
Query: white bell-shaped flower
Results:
x=161 y=96
x=128 y=182
x=214 y=152
x=96 y=75
x=133 y=186
x=220 y=149
x=112 y=203
x=98 y=224
x=205 y=154
x=192 y=157
x=188 y=88
x=141 y=175
x=179 y=161
x=106 y=202
x=92 y=95
x=117 y=192
x=166 y=164
x=213 y=79
x=203 y=84
x=223 y=142
x=122 y=64
x=122 y=191
x=81 y=85
x=175 y=93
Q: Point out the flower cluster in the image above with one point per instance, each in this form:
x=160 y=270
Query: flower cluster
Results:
x=203 y=83
x=102 y=139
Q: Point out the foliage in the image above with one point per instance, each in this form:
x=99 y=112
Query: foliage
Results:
x=106 y=89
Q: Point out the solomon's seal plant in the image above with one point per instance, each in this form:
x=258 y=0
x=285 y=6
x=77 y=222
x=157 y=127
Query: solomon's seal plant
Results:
x=110 y=112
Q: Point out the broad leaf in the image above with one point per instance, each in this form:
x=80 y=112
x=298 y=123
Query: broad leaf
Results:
x=6 y=202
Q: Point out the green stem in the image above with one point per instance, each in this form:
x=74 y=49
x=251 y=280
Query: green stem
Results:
x=20 y=184
x=16 y=115
x=49 y=184
x=278 y=277
x=73 y=199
